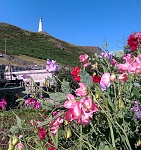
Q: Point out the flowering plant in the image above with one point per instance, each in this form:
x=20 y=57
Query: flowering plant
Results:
x=103 y=112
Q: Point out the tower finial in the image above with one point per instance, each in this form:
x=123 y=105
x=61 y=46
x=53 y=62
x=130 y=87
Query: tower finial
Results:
x=40 y=29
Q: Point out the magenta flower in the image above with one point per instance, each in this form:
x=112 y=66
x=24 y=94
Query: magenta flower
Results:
x=55 y=125
x=51 y=66
x=123 y=77
x=3 y=104
x=33 y=103
x=81 y=111
x=41 y=133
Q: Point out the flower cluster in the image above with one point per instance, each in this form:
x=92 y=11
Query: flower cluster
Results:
x=134 y=41
x=42 y=134
x=31 y=102
x=132 y=64
x=84 y=59
x=80 y=109
x=3 y=104
x=52 y=66
x=56 y=124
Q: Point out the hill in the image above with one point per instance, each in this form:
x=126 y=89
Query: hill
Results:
x=39 y=45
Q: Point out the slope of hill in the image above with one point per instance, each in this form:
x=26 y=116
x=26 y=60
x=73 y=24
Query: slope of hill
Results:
x=39 y=45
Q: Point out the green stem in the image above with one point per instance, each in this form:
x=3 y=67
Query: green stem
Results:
x=112 y=133
x=81 y=139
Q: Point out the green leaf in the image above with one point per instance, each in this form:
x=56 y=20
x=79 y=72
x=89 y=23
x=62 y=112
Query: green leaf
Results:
x=19 y=122
x=136 y=92
x=86 y=78
x=66 y=87
x=58 y=97
x=14 y=129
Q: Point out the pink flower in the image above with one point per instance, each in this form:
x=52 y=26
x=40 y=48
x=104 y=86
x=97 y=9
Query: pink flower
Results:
x=82 y=91
x=33 y=103
x=81 y=111
x=55 y=125
x=3 y=104
x=20 y=146
x=88 y=105
x=105 y=81
x=83 y=58
x=70 y=101
x=113 y=77
x=123 y=77
x=85 y=65
x=122 y=67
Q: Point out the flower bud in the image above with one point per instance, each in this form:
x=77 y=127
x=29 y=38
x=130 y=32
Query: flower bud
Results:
x=113 y=77
x=121 y=104
x=10 y=146
x=68 y=133
x=139 y=143
x=15 y=140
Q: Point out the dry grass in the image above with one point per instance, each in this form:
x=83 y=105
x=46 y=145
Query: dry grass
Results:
x=25 y=58
x=31 y=59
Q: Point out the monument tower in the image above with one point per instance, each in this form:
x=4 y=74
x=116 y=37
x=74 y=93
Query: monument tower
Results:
x=40 y=29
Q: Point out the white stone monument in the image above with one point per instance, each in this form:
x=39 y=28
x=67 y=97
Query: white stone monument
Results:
x=40 y=29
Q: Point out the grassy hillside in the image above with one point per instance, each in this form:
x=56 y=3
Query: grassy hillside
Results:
x=38 y=45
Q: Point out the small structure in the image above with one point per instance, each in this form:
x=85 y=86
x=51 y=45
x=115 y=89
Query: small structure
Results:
x=40 y=29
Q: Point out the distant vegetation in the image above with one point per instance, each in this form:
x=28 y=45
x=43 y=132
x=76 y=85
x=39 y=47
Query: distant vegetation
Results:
x=38 y=45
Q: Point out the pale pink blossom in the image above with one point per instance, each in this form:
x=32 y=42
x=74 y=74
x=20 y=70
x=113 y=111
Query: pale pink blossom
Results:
x=83 y=58
x=113 y=77
x=82 y=91
x=105 y=81
x=85 y=65
x=88 y=105
x=138 y=59
x=20 y=146
x=70 y=101
x=123 y=67
x=123 y=77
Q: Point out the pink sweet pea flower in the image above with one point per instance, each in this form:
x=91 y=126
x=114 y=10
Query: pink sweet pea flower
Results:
x=123 y=77
x=105 y=81
x=88 y=105
x=74 y=113
x=20 y=146
x=3 y=104
x=82 y=91
x=70 y=101
x=33 y=103
x=55 y=125
x=41 y=133
x=83 y=58
x=81 y=111
x=85 y=65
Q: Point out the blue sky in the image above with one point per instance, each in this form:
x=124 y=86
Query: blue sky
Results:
x=80 y=22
